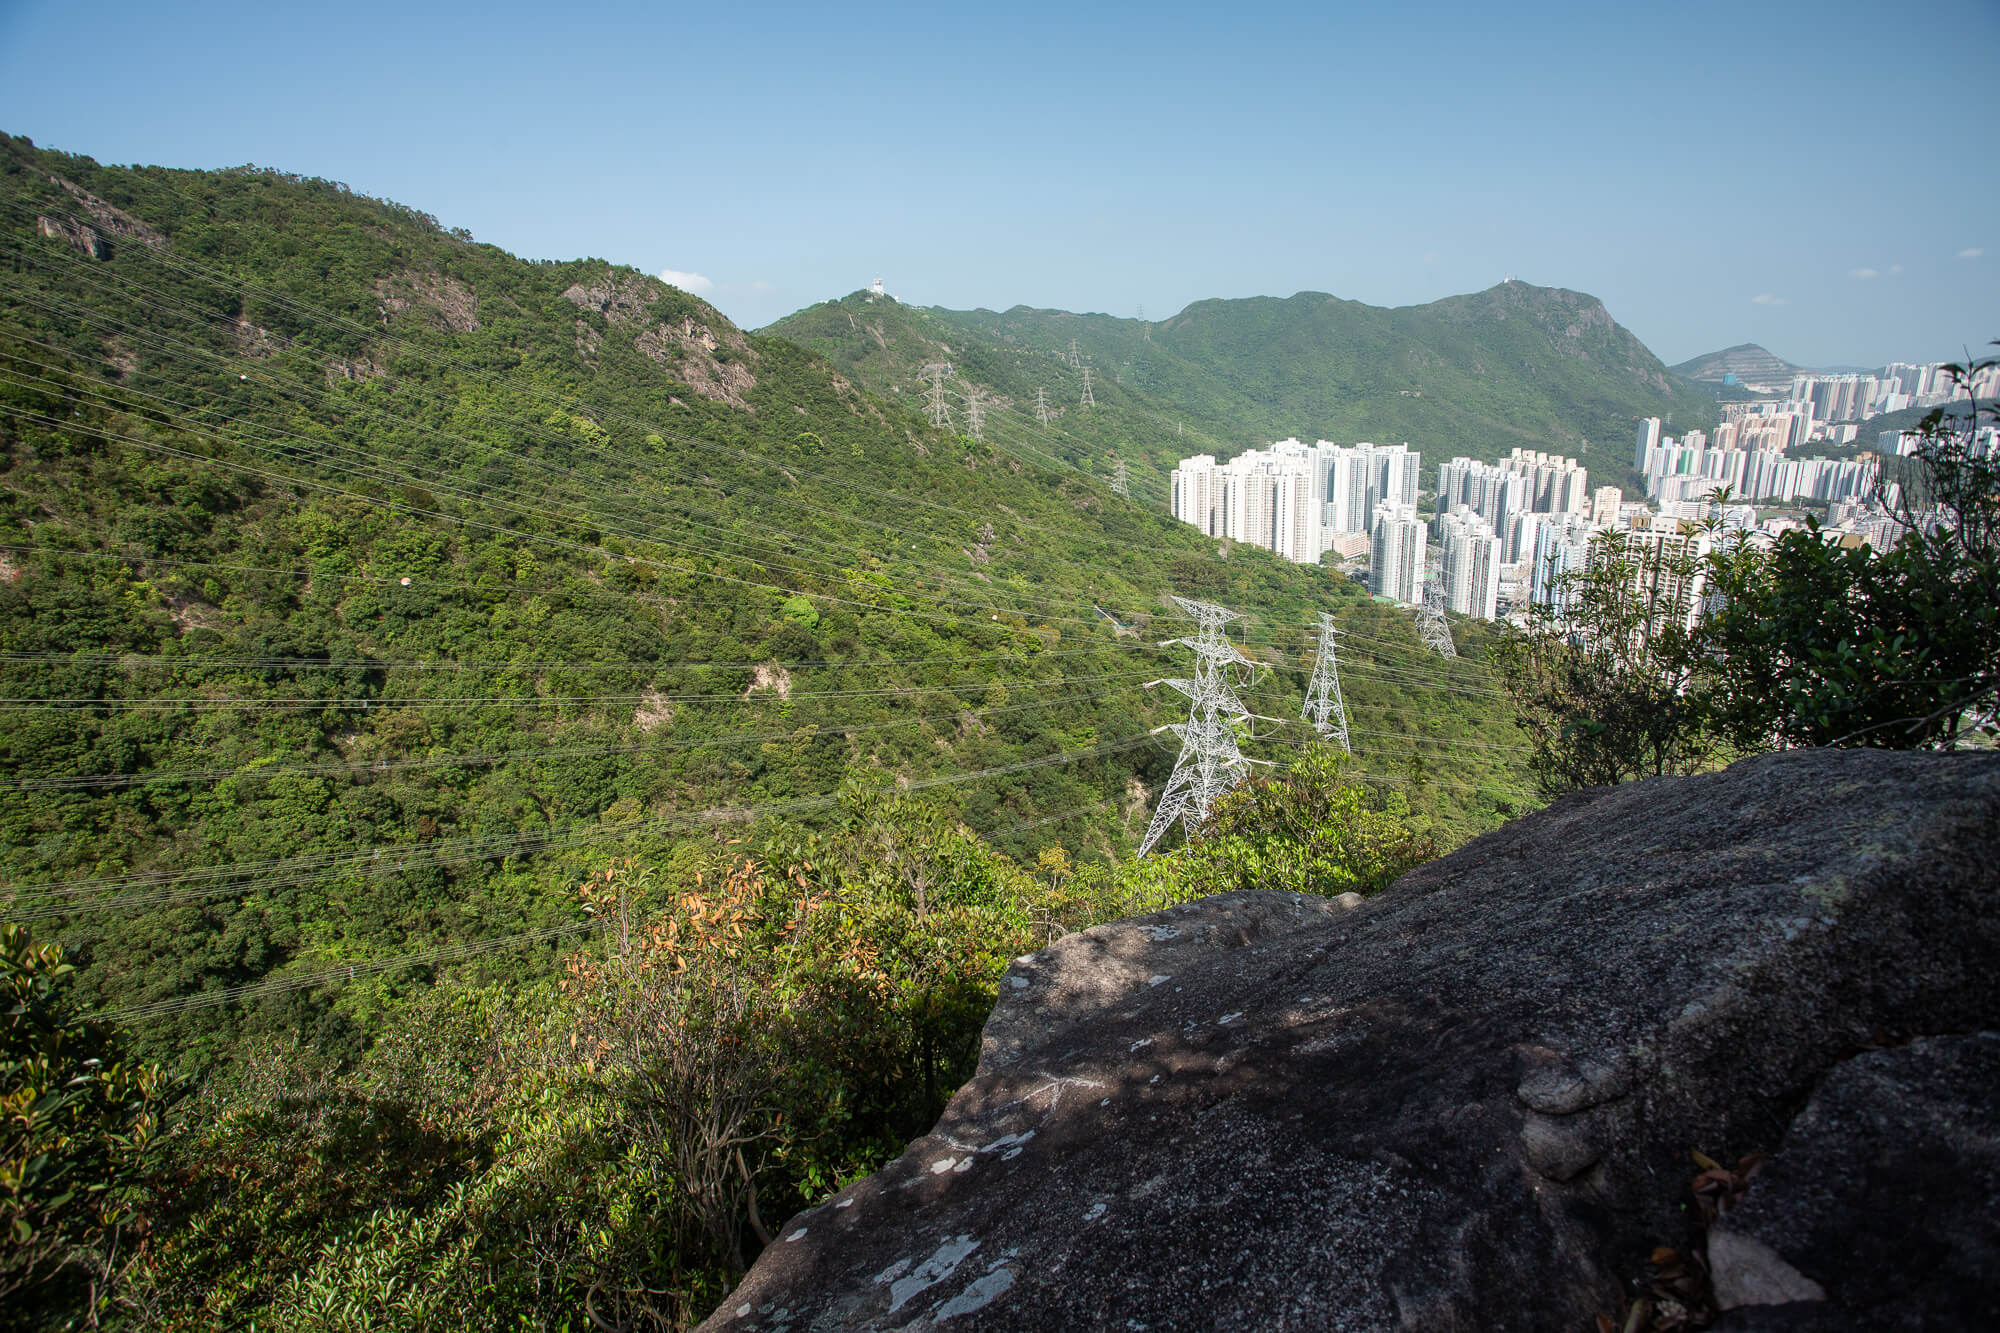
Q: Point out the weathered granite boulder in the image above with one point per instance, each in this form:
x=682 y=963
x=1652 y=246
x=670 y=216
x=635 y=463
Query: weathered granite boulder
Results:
x=1469 y=1103
x=1887 y=1189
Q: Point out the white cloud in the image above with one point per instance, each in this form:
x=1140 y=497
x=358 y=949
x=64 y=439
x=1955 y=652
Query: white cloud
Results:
x=687 y=282
x=1864 y=273
x=1430 y=256
x=1765 y=298
x=1971 y=252
x=1894 y=269
x=763 y=288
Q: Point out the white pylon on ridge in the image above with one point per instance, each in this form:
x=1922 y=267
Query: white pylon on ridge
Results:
x=1325 y=708
x=1210 y=762
x=1042 y=406
x=1431 y=626
x=1121 y=479
x=1089 y=398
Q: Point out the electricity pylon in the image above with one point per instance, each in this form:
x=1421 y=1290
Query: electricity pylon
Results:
x=1042 y=406
x=1121 y=480
x=1089 y=398
x=1431 y=626
x=975 y=412
x=934 y=375
x=1075 y=360
x=1325 y=708
x=1210 y=762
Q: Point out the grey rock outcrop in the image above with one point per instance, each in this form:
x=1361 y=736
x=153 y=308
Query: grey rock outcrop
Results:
x=1887 y=1186
x=1469 y=1103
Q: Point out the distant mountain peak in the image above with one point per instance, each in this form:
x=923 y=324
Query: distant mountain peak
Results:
x=1749 y=363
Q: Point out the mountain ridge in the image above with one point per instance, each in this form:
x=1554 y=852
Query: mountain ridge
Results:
x=1477 y=373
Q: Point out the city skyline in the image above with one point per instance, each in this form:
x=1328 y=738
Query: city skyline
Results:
x=1119 y=159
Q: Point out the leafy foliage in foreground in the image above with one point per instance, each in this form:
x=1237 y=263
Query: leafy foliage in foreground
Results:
x=79 y=1141
x=1603 y=679
x=613 y=1146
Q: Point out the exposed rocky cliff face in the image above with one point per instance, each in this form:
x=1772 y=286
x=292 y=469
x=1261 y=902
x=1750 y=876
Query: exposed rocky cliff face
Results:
x=1470 y=1103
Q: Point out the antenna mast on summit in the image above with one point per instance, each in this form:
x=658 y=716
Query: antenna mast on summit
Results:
x=1325 y=708
x=1210 y=762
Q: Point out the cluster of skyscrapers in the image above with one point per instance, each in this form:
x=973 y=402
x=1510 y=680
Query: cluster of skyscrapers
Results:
x=1507 y=534
x=1493 y=515
x=1298 y=500
x=1695 y=466
x=1304 y=501
x=1898 y=385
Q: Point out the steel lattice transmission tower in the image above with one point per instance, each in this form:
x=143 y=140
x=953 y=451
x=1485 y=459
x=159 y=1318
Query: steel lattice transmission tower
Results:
x=975 y=412
x=1121 y=480
x=1089 y=398
x=1210 y=762
x=1431 y=626
x=1075 y=359
x=1042 y=406
x=934 y=374
x=1325 y=708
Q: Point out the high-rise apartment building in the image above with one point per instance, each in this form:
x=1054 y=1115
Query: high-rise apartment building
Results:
x=1198 y=493
x=1396 y=553
x=1604 y=506
x=1556 y=485
x=1649 y=436
x=1471 y=564
x=1562 y=548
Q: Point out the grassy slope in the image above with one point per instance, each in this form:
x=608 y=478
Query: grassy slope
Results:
x=285 y=448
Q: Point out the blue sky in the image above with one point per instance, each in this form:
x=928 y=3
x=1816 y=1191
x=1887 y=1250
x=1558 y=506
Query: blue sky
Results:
x=1805 y=176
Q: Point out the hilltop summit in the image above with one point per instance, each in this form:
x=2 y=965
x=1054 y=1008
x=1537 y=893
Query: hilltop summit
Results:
x=1748 y=362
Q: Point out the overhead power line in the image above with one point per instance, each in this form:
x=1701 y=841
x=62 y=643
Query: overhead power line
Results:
x=162 y=889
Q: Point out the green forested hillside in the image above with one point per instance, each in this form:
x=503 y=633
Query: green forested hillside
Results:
x=366 y=587
x=886 y=345
x=1515 y=365
x=543 y=769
